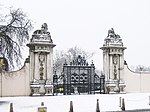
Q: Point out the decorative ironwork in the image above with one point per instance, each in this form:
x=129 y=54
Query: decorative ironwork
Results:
x=79 y=61
x=79 y=78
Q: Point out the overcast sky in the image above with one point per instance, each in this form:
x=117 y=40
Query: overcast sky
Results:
x=85 y=23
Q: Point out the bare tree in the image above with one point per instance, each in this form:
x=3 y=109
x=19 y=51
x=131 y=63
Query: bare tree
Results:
x=75 y=51
x=14 y=28
x=99 y=72
x=59 y=60
x=60 y=57
x=140 y=68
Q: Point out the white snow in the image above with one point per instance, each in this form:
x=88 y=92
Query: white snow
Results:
x=81 y=103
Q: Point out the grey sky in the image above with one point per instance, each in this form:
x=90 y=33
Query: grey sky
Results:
x=85 y=23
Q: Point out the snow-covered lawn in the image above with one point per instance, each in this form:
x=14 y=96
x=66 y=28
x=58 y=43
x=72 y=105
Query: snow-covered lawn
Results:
x=81 y=103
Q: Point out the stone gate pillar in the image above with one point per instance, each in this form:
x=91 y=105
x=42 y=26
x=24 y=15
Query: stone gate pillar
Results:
x=41 y=62
x=113 y=62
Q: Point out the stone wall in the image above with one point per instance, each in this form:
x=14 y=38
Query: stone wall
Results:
x=136 y=81
x=15 y=83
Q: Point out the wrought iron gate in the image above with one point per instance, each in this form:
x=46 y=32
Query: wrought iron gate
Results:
x=79 y=77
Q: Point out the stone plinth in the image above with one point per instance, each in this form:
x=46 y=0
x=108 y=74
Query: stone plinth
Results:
x=114 y=86
x=40 y=90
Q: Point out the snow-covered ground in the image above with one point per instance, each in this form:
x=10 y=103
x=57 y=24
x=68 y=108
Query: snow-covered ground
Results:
x=81 y=103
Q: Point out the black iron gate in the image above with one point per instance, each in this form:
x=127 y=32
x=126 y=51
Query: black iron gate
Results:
x=79 y=77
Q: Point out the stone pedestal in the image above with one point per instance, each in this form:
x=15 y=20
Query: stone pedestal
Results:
x=114 y=86
x=41 y=89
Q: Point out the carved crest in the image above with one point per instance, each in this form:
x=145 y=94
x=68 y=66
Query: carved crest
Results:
x=115 y=59
x=79 y=61
x=41 y=57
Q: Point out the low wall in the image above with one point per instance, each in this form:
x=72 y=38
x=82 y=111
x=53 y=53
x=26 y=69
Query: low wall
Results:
x=136 y=81
x=15 y=83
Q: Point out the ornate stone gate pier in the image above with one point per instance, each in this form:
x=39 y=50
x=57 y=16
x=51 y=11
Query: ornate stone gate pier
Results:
x=41 y=65
x=113 y=63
